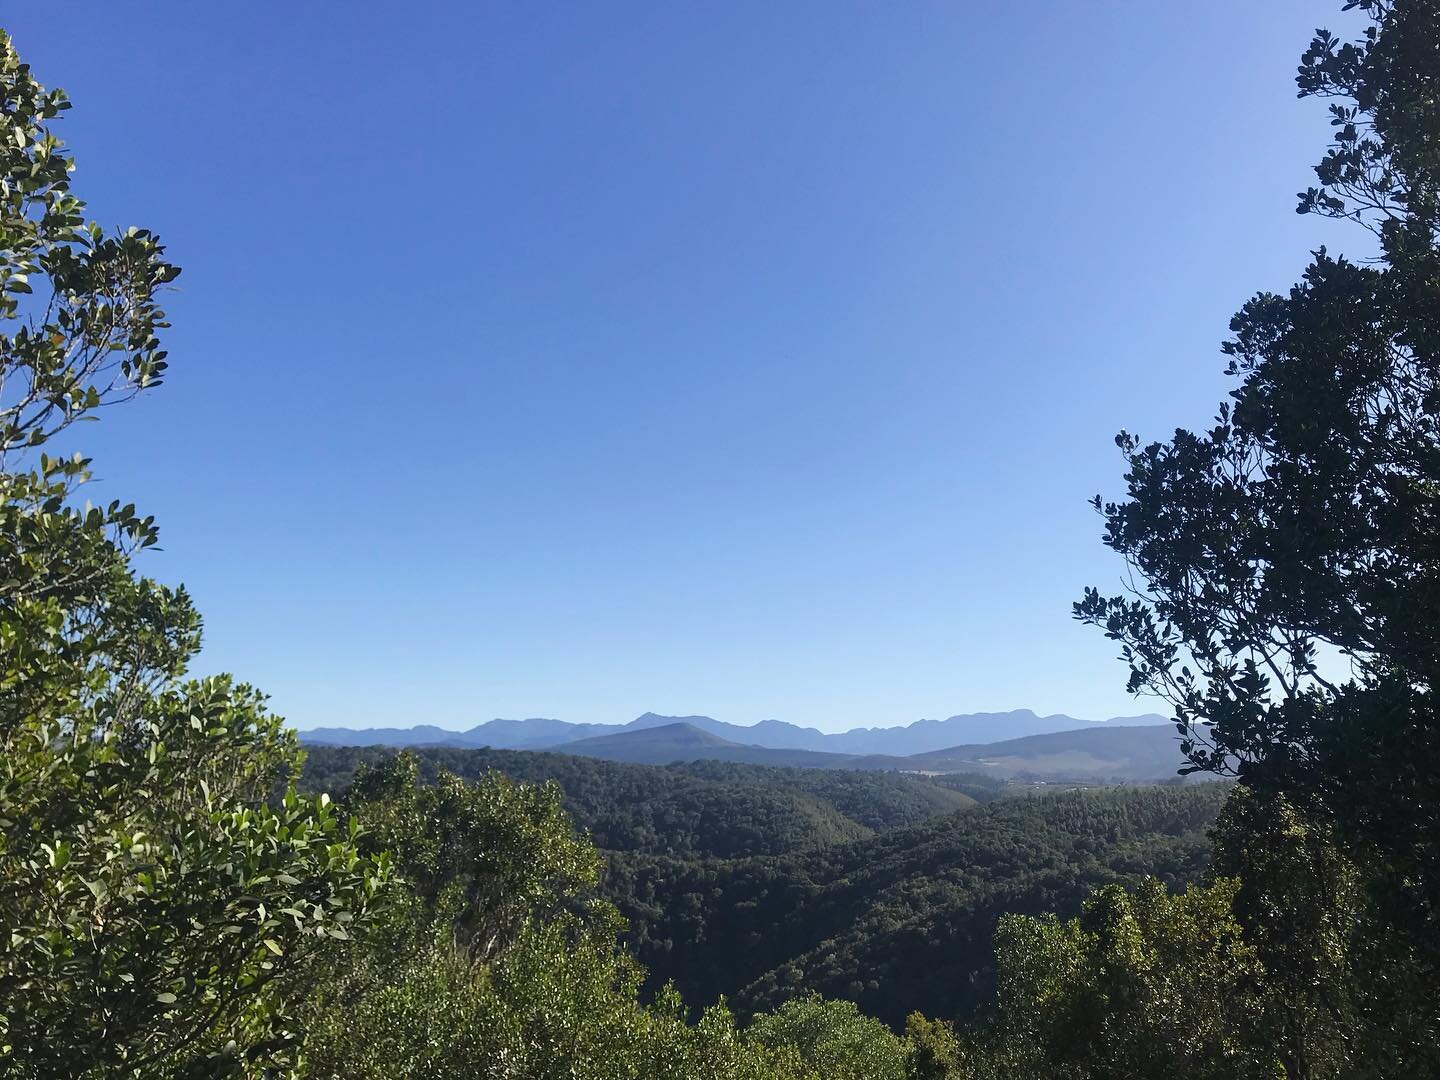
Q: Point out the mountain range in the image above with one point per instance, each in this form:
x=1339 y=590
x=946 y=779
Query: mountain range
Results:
x=1001 y=745
x=920 y=737
x=1097 y=753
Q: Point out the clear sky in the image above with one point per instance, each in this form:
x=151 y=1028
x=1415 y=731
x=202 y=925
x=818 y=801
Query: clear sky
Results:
x=750 y=359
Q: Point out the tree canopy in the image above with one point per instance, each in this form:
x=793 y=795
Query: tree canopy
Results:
x=155 y=907
x=1287 y=561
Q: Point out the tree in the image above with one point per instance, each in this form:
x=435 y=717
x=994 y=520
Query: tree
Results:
x=1143 y=984
x=833 y=1038
x=495 y=855
x=154 y=907
x=1339 y=999
x=495 y=963
x=934 y=1050
x=1287 y=561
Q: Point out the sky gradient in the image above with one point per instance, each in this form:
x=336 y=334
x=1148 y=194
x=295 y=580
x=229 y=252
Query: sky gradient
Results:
x=754 y=360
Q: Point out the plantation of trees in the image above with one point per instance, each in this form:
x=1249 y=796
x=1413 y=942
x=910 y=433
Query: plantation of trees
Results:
x=183 y=894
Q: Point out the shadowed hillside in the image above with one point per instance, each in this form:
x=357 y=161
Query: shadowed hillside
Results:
x=903 y=920
x=1094 y=754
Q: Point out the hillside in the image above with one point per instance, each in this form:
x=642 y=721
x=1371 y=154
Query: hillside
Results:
x=883 y=887
x=704 y=809
x=1150 y=752
x=685 y=742
x=902 y=920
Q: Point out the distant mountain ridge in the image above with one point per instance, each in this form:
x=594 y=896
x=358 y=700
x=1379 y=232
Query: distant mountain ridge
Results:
x=734 y=740
x=1129 y=752
x=1099 y=753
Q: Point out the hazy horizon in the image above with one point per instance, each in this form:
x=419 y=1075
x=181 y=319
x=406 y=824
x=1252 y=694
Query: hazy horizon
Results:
x=689 y=715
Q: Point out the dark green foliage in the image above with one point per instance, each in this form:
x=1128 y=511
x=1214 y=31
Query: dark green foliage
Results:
x=902 y=921
x=876 y=800
x=1289 y=609
x=834 y=1039
x=979 y=788
x=496 y=854
x=495 y=964
x=1290 y=556
x=690 y=810
x=1338 y=997
x=559 y=1004
x=898 y=922
x=1144 y=984
x=935 y=1052
x=1275 y=966
x=156 y=909
x=157 y=916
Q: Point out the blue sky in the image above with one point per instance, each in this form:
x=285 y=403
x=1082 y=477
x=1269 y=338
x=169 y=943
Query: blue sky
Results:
x=757 y=360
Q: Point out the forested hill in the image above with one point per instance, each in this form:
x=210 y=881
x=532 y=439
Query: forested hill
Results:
x=695 y=809
x=903 y=920
x=759 y=883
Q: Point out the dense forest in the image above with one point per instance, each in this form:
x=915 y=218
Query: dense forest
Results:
x=758 y=883
x=174 y=905
x=904 y=921
x=693 y=809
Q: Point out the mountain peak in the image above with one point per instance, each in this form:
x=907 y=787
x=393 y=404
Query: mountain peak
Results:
x=651 y=719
